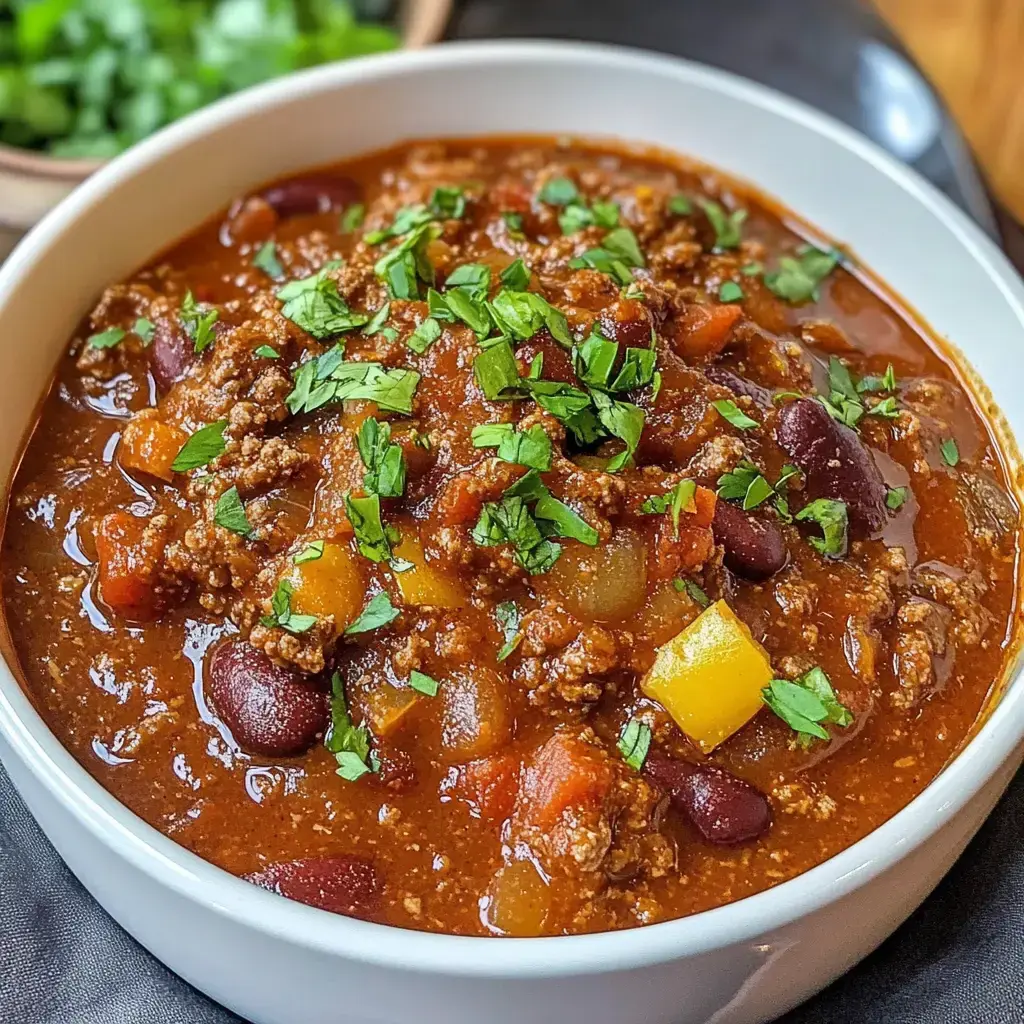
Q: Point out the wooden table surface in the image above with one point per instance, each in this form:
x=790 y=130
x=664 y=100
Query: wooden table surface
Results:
x=973 y=51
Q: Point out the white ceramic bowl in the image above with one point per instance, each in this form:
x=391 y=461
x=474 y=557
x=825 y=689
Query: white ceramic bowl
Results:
x=278 y=962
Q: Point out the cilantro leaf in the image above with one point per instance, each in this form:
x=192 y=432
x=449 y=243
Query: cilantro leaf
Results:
x=832 y=517
x=634 y=743
x=144 y=329
x=508 y=616
x=201 y=448
x=313 y=551
x=371 y=536
x=425 y=334
x=497 y=371
x=422 y=683
x=282 y=614
x=378 y=612
x=798 y=279
x=384 y=461
x=558 y=192
x=727 y=225
x=197 y=322
x=950 y=451
x=229 y=512
x=315 y=304
x=805 y=703
x=106 y=339
x=350 y=744
x=731 y=412
x=267 y=261
x=530 y=448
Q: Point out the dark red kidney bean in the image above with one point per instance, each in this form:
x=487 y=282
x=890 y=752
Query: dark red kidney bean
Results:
x=270 y=710
x=739 y=385
x=342 y=885
x=626 y=321
x=723 y=808
x=754 y=548
x=316 y=193
x=835 y=462
x=171 y=353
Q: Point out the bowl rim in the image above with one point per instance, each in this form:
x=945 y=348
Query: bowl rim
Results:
x=172 y=866
x=422 y=22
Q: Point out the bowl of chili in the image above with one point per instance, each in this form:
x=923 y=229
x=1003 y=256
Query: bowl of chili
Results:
x=736 y=453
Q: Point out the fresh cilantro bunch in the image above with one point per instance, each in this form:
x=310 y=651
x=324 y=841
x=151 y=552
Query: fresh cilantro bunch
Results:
x=87 y=78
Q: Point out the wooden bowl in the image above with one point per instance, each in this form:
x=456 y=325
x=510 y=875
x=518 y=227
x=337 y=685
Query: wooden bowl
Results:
x=32 y=183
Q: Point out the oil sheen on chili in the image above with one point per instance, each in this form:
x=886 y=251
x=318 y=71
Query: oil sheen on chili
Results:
x=509 y=538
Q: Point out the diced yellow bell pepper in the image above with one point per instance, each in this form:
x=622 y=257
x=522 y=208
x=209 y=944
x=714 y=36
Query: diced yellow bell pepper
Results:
x=387 y=705
x=332 y=584
x=709 y=677
x=425 y=584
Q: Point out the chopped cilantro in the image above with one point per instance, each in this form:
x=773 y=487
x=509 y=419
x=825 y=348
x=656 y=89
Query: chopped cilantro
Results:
x=516 y=276
x=282 y=614
x=315 y=304
x=832 y=517
x=229 y=512
x=350 y=744
x=697 y=595
x=634 y=743
x=310 y=553
x=558 y=192
x=895 y=497
x=373 y=539
x=448 y=203
x=497 y=372
x=379 y=611
x=508 y=616
x=530 y=448
x=680 y=205
x=267 y=261
x=328 y=378
x=197 y=322
x=731 y=412
x=514 y=223
x=679 y=499
x=727 y=225
x=352 y=218
x=425 y=334
x=144 y=330
x=798 y=279
x=406 y=264
x=805 y=703
x=384 y=462
x=730 y=292
x=106 y=339
x=201 y=448
x=379 y=319
x=422 y=683
x=950 y=451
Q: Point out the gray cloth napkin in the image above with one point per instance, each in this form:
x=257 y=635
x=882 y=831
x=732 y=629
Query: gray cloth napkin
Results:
x=959 y=958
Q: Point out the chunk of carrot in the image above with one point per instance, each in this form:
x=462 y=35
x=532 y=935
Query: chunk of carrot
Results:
x=149 y=446
x=565 y=772
x=703 y=330
x=488 y=785
x=126 y=567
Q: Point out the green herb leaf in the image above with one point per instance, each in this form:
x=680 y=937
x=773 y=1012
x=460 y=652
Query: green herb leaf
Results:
x=886 y=409
x=350 y=744
x=565 y=522
x=950 y=452
x=622 y=420
x=680 y=498
x=727 y=225
x=352 y=218
x=516 y=276
x=310 y=553
x=282 y=614
x=895 y=497
x=887 y=382
x=508 y=616
x=422 y=683
x=378 y=612
x=798 y=280
x=521 y=315
x=201 y=448
x=531 y=448
x=730 y=411
x=594 y=360
x=448 y=203
x=424 y=336
x=514 y=223
x=267 y=261
x=558 y=192
x=364 y=515
x=497 y=372
x=314 y=304
x=229 y=512
x=106 y=339
x=680 y=205
x=406 y=264
x=330 y=379
x=197 y=322
x=634 y=743
x=730 y=292
x=384 y=461
x=805 y=703
x=697 y=595
x=144 y=330
x=265 y=352
x=379 y=319
x=832 y=517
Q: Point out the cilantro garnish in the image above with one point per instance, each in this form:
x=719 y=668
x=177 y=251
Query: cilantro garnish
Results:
x=831 y=515
x=384 y=462
x=282 y=614
x=315 y=304
x=805 y=703
x=731 y=412
x=197 y=322
x=379 y=611
x=727 y=225
x=106 y=339
x=696 y=594
x=229 y=512
x=634 y=743
x=508 y=616
x=798 y=279
x=679 y=499
x=350 y=744
x=328 y=378
x=530 y=448
x=950 y=451
x=267 y=261
x=201 y=448
x=422 y=683
x=310 y=553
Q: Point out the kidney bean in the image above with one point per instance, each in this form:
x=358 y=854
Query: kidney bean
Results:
x=395 y=769
x=342 y=885
x=171 y=353
x=316 y=193
x=754 y=548
x=739 y=385
x=270 y=710
x=836 y=463
x=723 y=808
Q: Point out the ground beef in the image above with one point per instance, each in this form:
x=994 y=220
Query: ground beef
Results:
x=920 y=646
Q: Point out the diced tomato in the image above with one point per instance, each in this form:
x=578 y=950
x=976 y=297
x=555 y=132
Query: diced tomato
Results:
x=565 y=772
x=149 y=446
x=673 y=555
x=126 y=566
x=703 y=330
x=488 y=785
